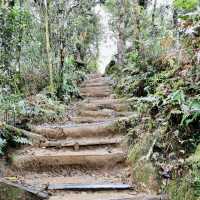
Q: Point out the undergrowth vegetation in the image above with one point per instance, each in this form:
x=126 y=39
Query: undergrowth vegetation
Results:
x=161 y=80
x=46 y=50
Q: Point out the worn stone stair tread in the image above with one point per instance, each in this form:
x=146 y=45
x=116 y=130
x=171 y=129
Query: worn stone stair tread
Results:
x=60 y=157
x=103 y=195
x=29 y=152
x=91 y=195
x=88 y=119
x=104 y=100
x=104 y=105
x=70 y=174
x=100 y=113
x=76 y=130
x=91 y=120
x=96 y=84
x=103 y=113
x=94 y=75
x=95 y=187
x=61 y=126
x=97 y=80
x=96 y=90
x=96 y=94
x=99 y=88
x=83 y=142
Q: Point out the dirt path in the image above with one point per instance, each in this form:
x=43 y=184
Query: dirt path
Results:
x=83 y=159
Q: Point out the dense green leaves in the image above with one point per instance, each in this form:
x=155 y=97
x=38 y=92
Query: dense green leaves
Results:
x=8 y=138
x=178 y=97
x=73 y=31
x=186 y=4
x=15 y=24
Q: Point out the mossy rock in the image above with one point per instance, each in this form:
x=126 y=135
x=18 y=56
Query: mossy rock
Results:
x=145 y=174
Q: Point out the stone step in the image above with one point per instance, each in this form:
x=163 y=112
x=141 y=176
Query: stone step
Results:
x=96 y=94
x=105 y=195
x=107 y=100
x=103 y=113
x=96 y=84
x=94 y=75
x=76 y=143
x=104 y=105
x=39 y=158
x=76 y=175
x=87 y=119
x=96 y=114
x=99 y=89
x=98 y=80
x=76 y=130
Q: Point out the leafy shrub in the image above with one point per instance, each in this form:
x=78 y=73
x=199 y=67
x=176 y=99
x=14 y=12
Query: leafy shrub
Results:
x=8 y=138
x=181 y=189
x=73 y=75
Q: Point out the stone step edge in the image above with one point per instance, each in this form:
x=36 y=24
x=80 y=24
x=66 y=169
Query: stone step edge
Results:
x=76 y=143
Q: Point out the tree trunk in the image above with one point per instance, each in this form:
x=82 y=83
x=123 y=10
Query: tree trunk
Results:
x=51 y=86
x=121 y=48
x=121 y=30
x=136 y=24
x=175 y=18
x=153 y=16
x=19 y=44
x=61 y=49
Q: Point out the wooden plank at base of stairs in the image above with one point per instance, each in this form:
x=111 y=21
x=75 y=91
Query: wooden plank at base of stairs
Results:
x=95 y=187
x=14 y=191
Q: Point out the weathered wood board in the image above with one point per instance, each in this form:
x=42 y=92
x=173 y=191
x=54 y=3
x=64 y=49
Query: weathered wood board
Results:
x=89 y=187
x=12 y=191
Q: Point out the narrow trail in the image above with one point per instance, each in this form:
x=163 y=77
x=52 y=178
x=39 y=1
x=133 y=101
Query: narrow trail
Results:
x=83 y=159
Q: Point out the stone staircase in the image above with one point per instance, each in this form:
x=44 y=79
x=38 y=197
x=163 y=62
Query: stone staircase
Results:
x=83 y=159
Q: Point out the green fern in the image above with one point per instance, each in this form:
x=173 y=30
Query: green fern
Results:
x=2 y=145
x=21 y=140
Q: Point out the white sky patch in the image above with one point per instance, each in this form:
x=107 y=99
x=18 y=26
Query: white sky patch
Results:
x=108 y=42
